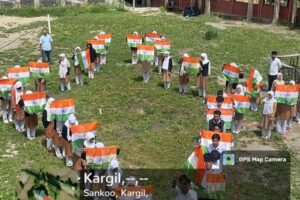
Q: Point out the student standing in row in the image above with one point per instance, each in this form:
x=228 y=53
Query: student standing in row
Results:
x=167 y=66
x=77 y=67
x=93 y=56
x=269 y=110
x=64 y=73
x=7 y=113
x=17 y=106
x=204 y=72
x=183 y=76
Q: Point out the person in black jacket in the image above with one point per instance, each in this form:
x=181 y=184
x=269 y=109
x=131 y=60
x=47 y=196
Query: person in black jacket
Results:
x=216 y=121
x=167 y=66
x=204 y=72
x=93 y=56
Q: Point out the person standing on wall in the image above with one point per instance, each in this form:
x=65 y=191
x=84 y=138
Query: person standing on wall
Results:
x=274 y=67
x=46 y=45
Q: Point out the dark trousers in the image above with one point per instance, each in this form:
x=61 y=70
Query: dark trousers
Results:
x=46 y=54
x=271 y=79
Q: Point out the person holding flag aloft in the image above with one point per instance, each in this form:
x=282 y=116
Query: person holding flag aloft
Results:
x=232 y=73
x=133 y=40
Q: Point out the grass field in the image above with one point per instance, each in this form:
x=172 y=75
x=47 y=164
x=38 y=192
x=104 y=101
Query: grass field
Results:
x=153 y=127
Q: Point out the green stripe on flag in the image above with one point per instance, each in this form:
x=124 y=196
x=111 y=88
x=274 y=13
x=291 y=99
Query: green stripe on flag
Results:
x=227 y=125
x=6 y=93
x=289 y=101
x=103 y=166
x=35 y=109
x=242 y=110
x=77 y=143
x=24 y=80
x=60 y=118
x=162 y=50
x=146 y=57
x=230 y=79
x=39 y=75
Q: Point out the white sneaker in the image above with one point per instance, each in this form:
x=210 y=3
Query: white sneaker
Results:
x=10 y=120
x=69 y=163
x=5 y=121
x=22 y=130
x=30 y=138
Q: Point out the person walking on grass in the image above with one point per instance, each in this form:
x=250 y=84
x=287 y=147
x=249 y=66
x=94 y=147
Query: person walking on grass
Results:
x=274 y=68
x=269 y=110
x=18 y=106
x=167 y=66
x=46 y=45
x=64 y=73
x=77 y=67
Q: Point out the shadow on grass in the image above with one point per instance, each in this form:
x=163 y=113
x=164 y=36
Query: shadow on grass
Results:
x=127 y=61
x=138 y=79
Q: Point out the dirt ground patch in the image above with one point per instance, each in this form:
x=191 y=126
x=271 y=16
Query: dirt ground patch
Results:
x=8 y=22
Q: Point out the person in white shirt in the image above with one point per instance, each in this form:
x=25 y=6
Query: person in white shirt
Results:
x=46 y=45
x=64 y=73
x=215 y=144
x=274 y=67
x=183 y=191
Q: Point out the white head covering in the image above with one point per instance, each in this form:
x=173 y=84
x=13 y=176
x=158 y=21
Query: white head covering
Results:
x=113 y=164
x=135 y=33
x=234 y=65
x=101 y=32
x=292 y=82
x=17 y=66
x=18 y=84
x=39 y=61
x=28 y=92
x=154 y=32
x=186 y=55
x=71 y=120
x=47 y=108
x=162 y=38
x=241 y=88
x=62 y=55
x=99 y=145
x=4 y=77
x=279 y=74
x=268 y=103
x=166 y=53
x=204 y=57
x=77 y=48
x=87 y=142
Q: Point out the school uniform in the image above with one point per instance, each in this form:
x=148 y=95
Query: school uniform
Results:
x=18 y=107
x=183 y=78
x=202 y=79
x=167 y=66
x=77 y=69
x=7 y=114
x=64 y=73
x=93 y=57
x=146 y=70
x=237 y=122
x=269 y=111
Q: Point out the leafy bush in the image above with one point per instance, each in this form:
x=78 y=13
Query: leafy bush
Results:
x=211 y=34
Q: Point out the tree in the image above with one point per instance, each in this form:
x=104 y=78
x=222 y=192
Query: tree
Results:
x=294 y=13
x=250 y=10
x=207 y=6
x=276 y=11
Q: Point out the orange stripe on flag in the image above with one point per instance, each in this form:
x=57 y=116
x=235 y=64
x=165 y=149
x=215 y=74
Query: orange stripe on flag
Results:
x=224 y=137
x=240 y=98
x=287 y=88
x=101 y=151
x=147 y=188
x=212 y=99
x=95 y=42
x=104 y=36
x=84 y=128
x=145 y=47
x=153 y=35
x=17 y=70
x=231 y=68
x=38 y=64
x=163 y=42
x=200 y=165
x=33 y=96
x=62 y=103
x=134 y=37
x=223 y=111
x=191 y=59
x=215 y=178
x=10 y=81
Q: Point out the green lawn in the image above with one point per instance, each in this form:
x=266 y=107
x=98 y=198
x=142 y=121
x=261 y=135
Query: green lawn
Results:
x=164 y=135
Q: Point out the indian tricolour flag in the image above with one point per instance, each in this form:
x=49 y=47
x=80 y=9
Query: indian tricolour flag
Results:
x=98 y=45
x=226 y=115
x=231 y=73
x=130 y=191
x=79 y=132
x=6 y=85
x=105 y=37
x=215 y=182
x=211 y=102
x=99 y=158
x=254 y=83
x=162 y=46
x=39 y=69
x=287 y=94
x=34 y=102
x=61 y=109
x=226 y=139
x=145 y=52
x=195 y=166
x=151 y=38
x=191 y=64
x=133 y=40
x=22 y=74
x=241 y=103
x=84 y=59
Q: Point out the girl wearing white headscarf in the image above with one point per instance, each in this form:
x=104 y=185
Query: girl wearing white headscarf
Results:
x=237 y=121
x=167 y=67
x=18 y=106
x=7 y=114
x=64 y=73
x=204 y=72
x=115 y=171
x=77 y=67
x=269 y=110
x=31 y=122
x=183 y=77
x=278 y=81
x=67 y=139
x=134 y=56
